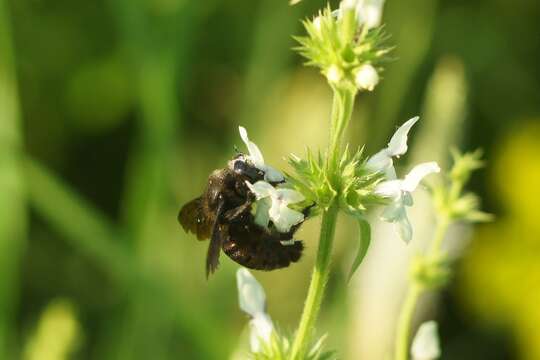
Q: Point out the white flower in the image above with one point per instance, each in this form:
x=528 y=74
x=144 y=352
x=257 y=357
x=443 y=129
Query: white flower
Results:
x=382 y=161
x=334 y=74
x=425 y=345
x=400 y=193
x=348 y=4
x=366 y=77
x=368 y=12
x=252 y=301
x=281 y=215
x=256 y=157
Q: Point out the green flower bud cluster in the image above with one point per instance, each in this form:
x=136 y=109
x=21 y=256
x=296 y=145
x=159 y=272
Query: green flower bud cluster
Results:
x=353 y=188
x=348 y=53
x=430 y=271
x=449 y=198
x=279 y=348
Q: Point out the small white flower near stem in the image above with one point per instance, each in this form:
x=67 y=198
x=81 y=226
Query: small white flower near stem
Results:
x=334 y=74
x=382 y=161
x=252 y=300
x=366 y=77
x=368 y=12
x=399 y=191
x=274 y=204
x=425 y=345
x=256 y=157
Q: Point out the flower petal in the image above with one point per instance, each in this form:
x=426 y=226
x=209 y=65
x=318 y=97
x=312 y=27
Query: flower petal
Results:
x=275 y=210
x=255 y=154
x=262 y=217
x=261 y=189
x=272 y=175
x=369 y=12
x=404 y=228
x=366 y=77
x=389 y=189
x=393 y=212
x=425 y=345
x=287 y=218
x=251 y=294
x=380 y=161
x=413 y=178
x=398 y=143
x=289 y=196
x=261 y=331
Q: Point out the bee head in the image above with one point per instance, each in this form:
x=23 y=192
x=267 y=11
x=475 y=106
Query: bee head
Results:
x=242 y=166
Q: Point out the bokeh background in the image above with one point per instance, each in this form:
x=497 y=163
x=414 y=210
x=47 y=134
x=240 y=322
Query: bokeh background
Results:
x=113 y=113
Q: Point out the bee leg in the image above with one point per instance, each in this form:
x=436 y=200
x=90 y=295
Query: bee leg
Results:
x=236 y=212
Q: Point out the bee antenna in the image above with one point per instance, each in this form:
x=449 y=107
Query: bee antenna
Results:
x=236 y=150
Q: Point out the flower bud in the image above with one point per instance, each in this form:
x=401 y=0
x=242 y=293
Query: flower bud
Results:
x=348 y=4
x=425 y=345
x=366 y=77
x=334 y=74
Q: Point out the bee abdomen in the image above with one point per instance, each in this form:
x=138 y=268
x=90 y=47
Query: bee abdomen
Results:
x=263 y=254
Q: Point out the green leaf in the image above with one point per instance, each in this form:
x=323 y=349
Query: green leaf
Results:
x=363 y=244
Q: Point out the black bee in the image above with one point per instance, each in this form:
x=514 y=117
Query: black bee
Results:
x=223 y=213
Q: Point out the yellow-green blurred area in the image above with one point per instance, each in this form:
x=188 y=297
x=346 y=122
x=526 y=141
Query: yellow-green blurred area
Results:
x=114 y=112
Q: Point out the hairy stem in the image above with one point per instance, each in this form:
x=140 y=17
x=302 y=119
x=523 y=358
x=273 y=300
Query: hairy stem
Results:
x=414 y=293
x=341 y=114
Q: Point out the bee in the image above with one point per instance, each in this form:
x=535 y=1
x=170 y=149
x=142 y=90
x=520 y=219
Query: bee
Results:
x=223 y=214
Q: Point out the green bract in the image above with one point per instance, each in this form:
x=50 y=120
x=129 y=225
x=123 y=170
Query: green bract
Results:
x=449 y=197
x=353 y=187
x=339 y=47
x=431 y=272
x=279 y=348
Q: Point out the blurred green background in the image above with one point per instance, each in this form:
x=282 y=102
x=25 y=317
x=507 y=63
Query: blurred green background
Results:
x=114 y=112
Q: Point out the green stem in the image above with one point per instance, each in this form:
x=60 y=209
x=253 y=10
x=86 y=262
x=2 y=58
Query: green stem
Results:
x=341 y=113
x=442 y=225
x=414 y=293
x=342 y=108
x=317 y=285
x=404 y=322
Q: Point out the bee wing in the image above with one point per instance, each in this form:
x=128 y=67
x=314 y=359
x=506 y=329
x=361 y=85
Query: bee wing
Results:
x=217 y=239
x=193 y=219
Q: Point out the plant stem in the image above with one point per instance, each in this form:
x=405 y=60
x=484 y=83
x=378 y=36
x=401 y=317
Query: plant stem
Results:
x=341 y=113
x=317 y=285
x=404 y=322
x=414 y=293
x=342 y=108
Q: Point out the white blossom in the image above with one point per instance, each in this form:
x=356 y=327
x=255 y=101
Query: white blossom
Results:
x=278 y=211
x=368 y=12
x=366 y=77
x=382 y=161
x=252 y=300
x=425 y=345
x=256 y=157
x=334 y=74
x=399 y=191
